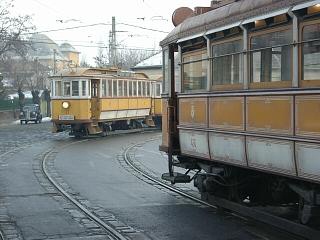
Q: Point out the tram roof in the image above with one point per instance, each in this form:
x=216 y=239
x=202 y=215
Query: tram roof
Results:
x=228 y=16
x=91 y=72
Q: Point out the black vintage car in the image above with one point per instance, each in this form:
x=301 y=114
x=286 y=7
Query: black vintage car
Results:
x=30 y=113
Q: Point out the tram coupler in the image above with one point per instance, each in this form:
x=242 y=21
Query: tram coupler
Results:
x=176 y=177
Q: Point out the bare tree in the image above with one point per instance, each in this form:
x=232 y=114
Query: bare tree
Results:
x=12 y=30
x=102 y=59
x=129 y=58
x=83 y=62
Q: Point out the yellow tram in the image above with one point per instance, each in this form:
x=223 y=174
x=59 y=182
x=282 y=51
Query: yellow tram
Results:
x=245 y=112
x=92 y=101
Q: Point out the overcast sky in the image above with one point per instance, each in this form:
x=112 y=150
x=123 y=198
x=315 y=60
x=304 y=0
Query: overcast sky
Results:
x=59 y=14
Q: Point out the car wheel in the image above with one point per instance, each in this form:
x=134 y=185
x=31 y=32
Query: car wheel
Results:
x=26 y=122
x=36 y=121
x=21 y=122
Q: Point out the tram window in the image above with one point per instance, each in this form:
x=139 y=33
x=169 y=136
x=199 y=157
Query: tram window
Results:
x=134 y=88
x=144 y=92
x=114 y=85
x=120 y=88
x=271 y=57
x=84 y=88
x=139 y=89
x=311 y=52
x=158 y=90
x=75 y=88
x=125 y=88
x=148 y=88
x=165 y=71
x=66 y=89
x=58 y=88
x=227 y=63
x=130 y=88
x=109 y=88
x=195 y=71
x=104 y=88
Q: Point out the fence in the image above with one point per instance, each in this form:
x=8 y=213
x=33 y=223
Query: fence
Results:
x=12 y=104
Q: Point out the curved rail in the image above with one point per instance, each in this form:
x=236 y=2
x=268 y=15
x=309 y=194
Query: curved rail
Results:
x=110 y=230
x=284 y=225
x=173 y=189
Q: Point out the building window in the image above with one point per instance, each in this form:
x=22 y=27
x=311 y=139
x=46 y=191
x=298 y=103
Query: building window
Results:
x=195 y=71
x=311 y=52
x=227 y=63
x=75 y=88
x=271 y=57
x=66 y=89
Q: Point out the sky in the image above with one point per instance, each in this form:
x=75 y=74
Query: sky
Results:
x=61 y=14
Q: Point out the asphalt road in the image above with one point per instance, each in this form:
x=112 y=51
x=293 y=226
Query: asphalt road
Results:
x=94 y=172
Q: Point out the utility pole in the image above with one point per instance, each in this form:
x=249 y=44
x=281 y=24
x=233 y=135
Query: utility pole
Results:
x=54 y=61
x=113 y=43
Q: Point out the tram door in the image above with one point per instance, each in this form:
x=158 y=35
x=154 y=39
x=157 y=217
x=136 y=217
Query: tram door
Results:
x=95 y=100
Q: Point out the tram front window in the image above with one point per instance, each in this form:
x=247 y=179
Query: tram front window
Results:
x=66 y=89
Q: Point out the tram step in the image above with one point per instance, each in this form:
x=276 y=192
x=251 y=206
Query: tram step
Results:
x=176 y=178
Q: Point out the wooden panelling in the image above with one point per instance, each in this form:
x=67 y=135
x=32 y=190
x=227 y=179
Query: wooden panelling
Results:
x=165 y=133
x=194 y=143
x=226 y=113
x=227 y=148
x=308 y=115
x=80 y=109
x=193 y=111
x=308 y=162
x=272 y=155
x=270 y=114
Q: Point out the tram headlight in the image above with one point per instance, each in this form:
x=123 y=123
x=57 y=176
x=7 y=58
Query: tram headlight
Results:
x=65 y=105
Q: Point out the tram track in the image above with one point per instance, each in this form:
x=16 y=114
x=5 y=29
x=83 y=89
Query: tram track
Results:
x=109 y=229
x=296 y=231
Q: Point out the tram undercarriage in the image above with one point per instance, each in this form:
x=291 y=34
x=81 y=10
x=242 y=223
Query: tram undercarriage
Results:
x=251 y=188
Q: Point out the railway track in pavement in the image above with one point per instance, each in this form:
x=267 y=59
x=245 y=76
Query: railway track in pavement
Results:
x=293 y=229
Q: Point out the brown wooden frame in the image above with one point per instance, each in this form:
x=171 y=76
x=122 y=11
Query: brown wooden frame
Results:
x=306 y=83
x=237 y=86
x=261 y=85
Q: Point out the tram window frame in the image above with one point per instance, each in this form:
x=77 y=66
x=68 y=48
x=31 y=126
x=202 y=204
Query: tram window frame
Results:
x=270 y=84
x=165 y=69
x=59 y=92
x=84 y=88
x=130 y=88
x=75 y=91
x=104 y=88
x=306 y=82
x=114 y=88
x=109 y=88
x=201 y=52
x=120 y=88
x=134 y=88
x=227 y=86
x=139 y=89
x=68 y=89
x=125 y=88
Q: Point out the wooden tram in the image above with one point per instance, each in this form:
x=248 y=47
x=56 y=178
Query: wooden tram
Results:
x=90 y=101
x=246 y=109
